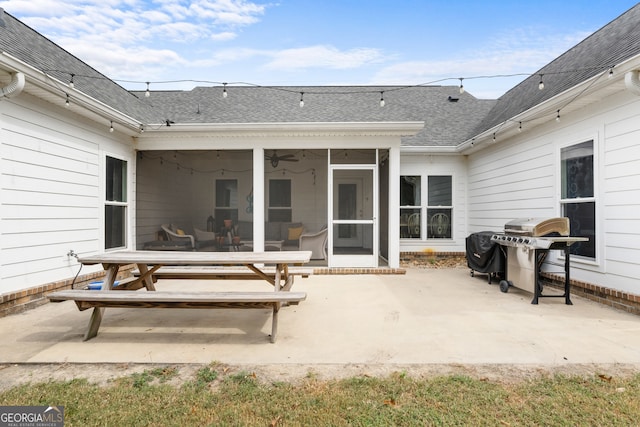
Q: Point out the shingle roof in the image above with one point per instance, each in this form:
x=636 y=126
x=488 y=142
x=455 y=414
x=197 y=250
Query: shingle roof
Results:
x=617 y=41
x=31 y=47
x=446 y=123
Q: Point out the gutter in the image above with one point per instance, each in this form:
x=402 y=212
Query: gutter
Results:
x=562 y=101
x=60 y=90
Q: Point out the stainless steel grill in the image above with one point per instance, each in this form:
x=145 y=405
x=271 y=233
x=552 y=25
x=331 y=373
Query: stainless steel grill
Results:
x=528 y=241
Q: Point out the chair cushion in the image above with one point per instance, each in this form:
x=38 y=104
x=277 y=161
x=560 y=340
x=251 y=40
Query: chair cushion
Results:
x=294 y=233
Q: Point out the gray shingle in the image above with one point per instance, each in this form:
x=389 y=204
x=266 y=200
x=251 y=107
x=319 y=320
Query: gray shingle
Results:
x=31 y=47
x=446 y=123
x=612 y=44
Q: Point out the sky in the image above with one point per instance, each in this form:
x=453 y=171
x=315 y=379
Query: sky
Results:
x=180 y=44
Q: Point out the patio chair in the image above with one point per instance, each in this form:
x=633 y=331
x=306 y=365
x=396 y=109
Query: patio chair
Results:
x=413 y=225
x=204 y=238
x=316 y=243
x=174 y=234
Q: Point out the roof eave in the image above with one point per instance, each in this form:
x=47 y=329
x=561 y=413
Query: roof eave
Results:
x=53 y=90
x=588 y=91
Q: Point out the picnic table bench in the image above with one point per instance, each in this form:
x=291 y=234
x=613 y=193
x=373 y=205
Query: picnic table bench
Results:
x=247 y=264
x=86 y=299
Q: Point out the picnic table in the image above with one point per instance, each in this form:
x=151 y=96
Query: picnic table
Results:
x=273 y=267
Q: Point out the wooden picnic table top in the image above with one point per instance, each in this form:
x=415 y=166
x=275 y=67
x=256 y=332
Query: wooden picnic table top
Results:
x=197 y=258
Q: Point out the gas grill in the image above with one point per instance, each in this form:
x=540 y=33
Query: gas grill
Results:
x=528 y=242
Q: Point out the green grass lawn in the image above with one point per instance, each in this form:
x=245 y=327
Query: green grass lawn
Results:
x=214 y=398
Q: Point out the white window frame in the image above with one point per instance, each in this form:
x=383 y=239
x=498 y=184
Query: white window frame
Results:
x=125 y=203
x=281 y=208
x=587 y=261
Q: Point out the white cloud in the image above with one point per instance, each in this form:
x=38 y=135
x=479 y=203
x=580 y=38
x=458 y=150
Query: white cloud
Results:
x=496 y=68
x=322 y=57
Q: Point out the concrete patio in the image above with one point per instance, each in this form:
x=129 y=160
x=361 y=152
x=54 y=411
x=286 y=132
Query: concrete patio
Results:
x=428 y=317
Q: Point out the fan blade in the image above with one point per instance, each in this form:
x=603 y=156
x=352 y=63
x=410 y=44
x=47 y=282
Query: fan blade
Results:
x=288 y=160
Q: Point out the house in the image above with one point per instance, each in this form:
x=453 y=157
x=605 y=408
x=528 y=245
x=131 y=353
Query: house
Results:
x=88 y=166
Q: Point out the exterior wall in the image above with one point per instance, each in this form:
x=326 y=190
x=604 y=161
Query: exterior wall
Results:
x=520 y=177
x=455 y=166
x=52 y=193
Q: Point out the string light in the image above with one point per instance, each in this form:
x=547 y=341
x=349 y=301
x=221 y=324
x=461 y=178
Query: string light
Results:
x=141 y=128
x=382 y=99
x=558 y=116
x=519 y=126
x=224 y=90
x=461 y=86
x=611 y=71
x=494 y=137
x=111 y=127
x=67 y=103
x=71 y=84
x=147 y=93
x=541 y=84
x=301 y=99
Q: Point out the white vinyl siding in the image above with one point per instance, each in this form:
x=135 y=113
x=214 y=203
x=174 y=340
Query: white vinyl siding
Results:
x=50 y=195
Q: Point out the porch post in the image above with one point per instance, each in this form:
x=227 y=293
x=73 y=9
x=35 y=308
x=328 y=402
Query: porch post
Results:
x=258 y=199
x=394 y=207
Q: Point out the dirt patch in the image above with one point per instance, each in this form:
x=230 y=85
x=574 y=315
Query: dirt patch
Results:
x=436 y=262
x=12 y=375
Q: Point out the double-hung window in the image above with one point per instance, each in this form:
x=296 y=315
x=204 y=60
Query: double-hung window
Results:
x=226 y=201
x=410 y=206
x=115 y=206
x=439 y=207
x=279 y=200
x=578 y=201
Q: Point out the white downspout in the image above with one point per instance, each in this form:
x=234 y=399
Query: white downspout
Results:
x=632 y=81
x=15 y=86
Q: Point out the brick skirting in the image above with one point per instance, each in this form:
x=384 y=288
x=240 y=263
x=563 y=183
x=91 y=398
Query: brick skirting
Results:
x=26 y=299
x=617 y=299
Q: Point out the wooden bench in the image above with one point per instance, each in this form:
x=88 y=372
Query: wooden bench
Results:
x=98 y=300
x=229 y=273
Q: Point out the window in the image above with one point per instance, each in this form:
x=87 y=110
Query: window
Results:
x=115 y=207
x=410 y=208
x=279 y=209
x=226 y=201
x=439 y=207
x=578 y=197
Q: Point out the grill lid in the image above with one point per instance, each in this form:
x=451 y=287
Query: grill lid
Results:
x=538 y=226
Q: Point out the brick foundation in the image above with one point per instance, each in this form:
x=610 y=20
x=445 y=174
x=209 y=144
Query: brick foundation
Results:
x=26 y=299
x=617 y=299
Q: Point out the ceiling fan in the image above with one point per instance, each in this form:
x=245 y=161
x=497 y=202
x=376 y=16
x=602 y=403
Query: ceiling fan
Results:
x=275 y=159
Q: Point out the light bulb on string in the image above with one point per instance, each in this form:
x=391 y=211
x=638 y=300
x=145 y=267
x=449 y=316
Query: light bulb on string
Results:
x=610 y=72
x=71 y=84
x=541 y=84
x=382 y=99
x=461 y=86
x=147 y=93
x=224 y=90
x=301 y=99
x=67 y=103
x=558 y=116
x=111 y=127
x=519 y=126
